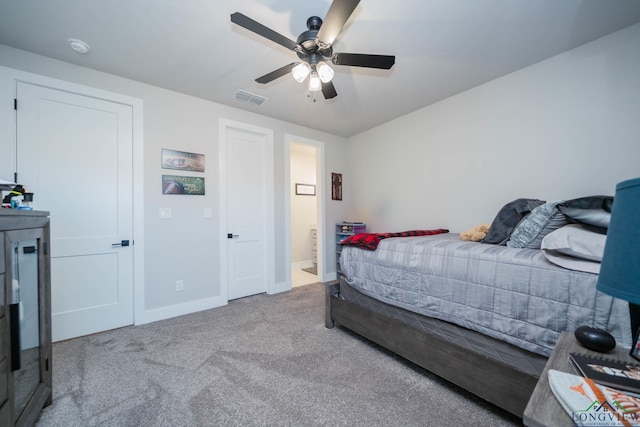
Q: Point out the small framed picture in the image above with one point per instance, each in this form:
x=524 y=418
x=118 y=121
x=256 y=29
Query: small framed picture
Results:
x=305 y=190
x=635 y=349
x=181 y=160
x=191 y=185
x=336 y=186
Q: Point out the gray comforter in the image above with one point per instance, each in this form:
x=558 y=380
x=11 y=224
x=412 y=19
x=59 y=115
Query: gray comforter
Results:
x=514 y=295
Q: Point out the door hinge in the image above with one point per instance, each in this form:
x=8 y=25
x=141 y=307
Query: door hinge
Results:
x=15 y=103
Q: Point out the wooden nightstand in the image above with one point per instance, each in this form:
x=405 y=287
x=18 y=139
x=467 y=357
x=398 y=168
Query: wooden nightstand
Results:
x=543 y=408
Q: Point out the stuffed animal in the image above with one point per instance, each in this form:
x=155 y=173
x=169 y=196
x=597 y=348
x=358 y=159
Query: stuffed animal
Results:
x=475 y=234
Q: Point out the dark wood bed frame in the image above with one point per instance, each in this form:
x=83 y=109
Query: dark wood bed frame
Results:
x=491 y=379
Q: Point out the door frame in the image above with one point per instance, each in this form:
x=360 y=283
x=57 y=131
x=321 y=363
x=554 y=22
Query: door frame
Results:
x=138 y=164
x=290 y=139
x=269 y=220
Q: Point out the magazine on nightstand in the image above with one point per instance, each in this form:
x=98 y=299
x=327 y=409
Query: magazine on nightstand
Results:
x=608 y=371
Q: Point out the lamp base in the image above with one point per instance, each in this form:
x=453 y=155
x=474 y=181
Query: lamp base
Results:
x=634 y=314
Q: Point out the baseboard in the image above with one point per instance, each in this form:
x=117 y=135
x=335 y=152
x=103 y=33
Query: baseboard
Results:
x=168 y=312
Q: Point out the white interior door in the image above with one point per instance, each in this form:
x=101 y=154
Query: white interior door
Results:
x=247 y=212
x=74 y=153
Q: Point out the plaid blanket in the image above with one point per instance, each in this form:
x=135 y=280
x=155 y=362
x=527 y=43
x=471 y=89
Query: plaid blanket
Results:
x=370 y=240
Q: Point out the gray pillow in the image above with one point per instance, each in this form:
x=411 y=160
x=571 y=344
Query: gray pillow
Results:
x=508 y=218
x=595 y=217
x=541 y=221
x=594 y=212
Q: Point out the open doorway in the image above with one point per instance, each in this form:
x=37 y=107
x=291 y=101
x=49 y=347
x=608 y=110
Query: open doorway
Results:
x=304 y=206
x=305 y=211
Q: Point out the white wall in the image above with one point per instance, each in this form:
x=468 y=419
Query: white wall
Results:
x=187 y=246
x=563 y=128
x=303 y=208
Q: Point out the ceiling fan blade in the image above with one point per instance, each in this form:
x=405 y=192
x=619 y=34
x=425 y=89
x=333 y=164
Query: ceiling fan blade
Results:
x=251 y=25
x=328 y=90
x=276 y=74
x=364 y=60
x=338 y=14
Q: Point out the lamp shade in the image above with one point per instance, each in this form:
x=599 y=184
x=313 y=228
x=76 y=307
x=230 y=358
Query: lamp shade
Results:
x=620 y=268
x=325 y=72
x=315 y=84
x=301 y=71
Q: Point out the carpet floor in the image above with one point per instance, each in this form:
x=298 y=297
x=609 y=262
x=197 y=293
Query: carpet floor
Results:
x=265 y=360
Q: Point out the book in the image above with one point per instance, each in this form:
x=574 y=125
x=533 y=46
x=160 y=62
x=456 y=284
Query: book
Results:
x=591 y=404
x=608 y=371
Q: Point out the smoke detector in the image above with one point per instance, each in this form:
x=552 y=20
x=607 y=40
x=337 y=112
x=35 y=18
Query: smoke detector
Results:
x=79 y=46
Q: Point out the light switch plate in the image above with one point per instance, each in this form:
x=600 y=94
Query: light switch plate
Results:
x=164 y=213
x=207 y=212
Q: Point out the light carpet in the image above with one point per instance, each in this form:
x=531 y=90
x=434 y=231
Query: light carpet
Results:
x=266 y=360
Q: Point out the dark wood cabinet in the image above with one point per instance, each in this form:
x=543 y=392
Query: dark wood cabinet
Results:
x=25 y=316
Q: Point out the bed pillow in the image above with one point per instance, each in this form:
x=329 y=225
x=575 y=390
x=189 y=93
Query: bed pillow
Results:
x=594 y=212
x=508 y=218
x=534 y=227
x=576 y=241
x=572 y=263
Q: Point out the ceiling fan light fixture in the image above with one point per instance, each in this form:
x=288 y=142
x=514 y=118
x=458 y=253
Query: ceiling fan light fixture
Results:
x=314 y=47
x=301 y=71
x=325 y=72
x=315 y=84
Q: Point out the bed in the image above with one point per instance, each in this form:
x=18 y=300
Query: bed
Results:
x=483 y=316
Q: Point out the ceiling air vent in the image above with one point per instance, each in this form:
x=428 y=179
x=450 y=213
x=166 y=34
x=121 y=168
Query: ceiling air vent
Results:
x=249 y=98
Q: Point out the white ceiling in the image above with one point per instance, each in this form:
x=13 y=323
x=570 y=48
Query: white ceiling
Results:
x=442 y=47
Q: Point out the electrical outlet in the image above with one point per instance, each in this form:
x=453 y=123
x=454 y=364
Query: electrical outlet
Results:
x=179 y=285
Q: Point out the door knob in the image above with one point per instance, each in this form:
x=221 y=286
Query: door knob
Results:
x=121 y=244
x=231 y=236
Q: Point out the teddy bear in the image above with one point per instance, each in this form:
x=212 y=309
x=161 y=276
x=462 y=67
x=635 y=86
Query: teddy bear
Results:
x=475 y=234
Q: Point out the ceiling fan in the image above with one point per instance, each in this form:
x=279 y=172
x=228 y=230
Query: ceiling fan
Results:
x=314 y=48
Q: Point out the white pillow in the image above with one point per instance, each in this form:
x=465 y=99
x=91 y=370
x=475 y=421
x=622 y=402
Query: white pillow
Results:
x=576 y=241
x=571 y=263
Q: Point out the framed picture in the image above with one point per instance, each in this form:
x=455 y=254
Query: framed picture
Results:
x=181 y=160
x=305 y=190
x=336 y=186
x=192 y=185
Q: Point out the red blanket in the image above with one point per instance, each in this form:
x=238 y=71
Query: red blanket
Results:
x=370 y=240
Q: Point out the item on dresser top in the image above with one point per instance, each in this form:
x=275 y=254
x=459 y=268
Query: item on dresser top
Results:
x=595 y=339
x=589 y=404
x=608 y=371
